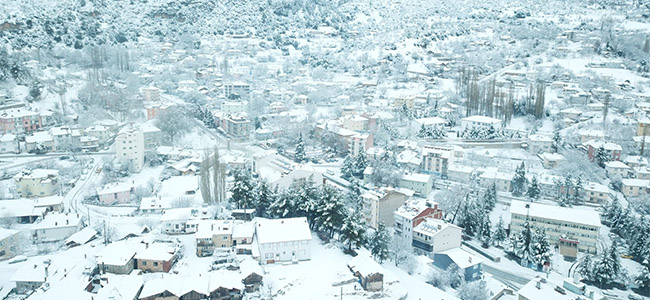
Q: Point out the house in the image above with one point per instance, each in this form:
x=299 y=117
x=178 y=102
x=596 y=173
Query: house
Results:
x=539 y=143
x=355 y=122
x=66 y=138
x=237 y=125
x=176 y=220
x=643 y=127
x=22 y=211
x=571 y=114
x=224 y=286
x=590 y=134
x=151 y=93
x=596 y=193
x=117 y=258
x=9 y=243
x=613 y=150
x=157 y=257
x=479 y=122
x=242 y=237
x=252 y=282
x=89 y=143
x=369 y=272
x=37 y=182
x=577 y=225
x=412 y=213
x=30 y=277
x=102 y=133
x=151 y=135
x=122 y=288
x=421 y=184
x=164 y=288
x=39 y=142
x=502 y=181
x=116 y=192
x=433 y=236
x=468 y=263
x=551 y=160
x=212 y=234
x=153 y=205
x=283 y=240
x=634 y=187
x=9 y=144
x=81 y=237
x=642 y=172
x=129 y=146
x=541 y=288
x=56 y=227
x=379 y=206
x=617 y=169
x=635 y=161
x=459 y=173
x=19 y=120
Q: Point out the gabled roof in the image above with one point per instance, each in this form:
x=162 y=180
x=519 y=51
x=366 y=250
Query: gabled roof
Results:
x=282 y=230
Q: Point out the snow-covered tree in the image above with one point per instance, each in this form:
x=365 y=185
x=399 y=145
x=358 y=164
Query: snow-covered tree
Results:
x=360 y=164
x=307 y=201
x=521 y=243
x=519 y=180
x=643 y=279
x=585 y=267
x=455 y=275
x=533 y=192
x=485 y=230
x=557 y=142
x=400 y=249
x=608 y=269
x=331 y=210
x=284 y=205
x=499 y=235
x=490 y=197
x=348 y=168
x=242 y=189
x=263 y=198
x=601 y=157
x=578 y=191
x=300 y=150
x=475 y=290
x=173 y=123
x=353 y=230
x=540 y=251
x=378 y=243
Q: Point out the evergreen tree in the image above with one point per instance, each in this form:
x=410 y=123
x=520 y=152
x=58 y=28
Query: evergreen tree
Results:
x=578 y=191
x=519 y=181
x=601 y=157
x=330 y=211
x=300 y=150
x=456 y=277
x=284 y=205
x=540 y=247
x=557 y=142
x=533 y=190
x=643 y=279
x=612 y=212
x=257 y=123
x=242 y=189
x=360 y=164
x=485 y=231
x=353 y=230
x=423 y=132
x=470 y=217
x=585 y=268
x=353 y=195
x=521 y=243
x=264 y=197
x=490 y=197
x=378 y=243
x=500 y=234
x=609 y=269
x=307 y=199
x=347 y=170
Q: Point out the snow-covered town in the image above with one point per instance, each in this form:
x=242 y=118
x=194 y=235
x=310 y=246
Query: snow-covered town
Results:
x=304 y=149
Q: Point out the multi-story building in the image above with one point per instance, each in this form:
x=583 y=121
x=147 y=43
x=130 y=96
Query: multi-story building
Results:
x=564 y=226
x=56 y=227
x=437 y=159
x=66 y=138
x=632 y=187
x=479 y=122
x=212 y=234
x=129 y=146
x=538 y=143
x=242 y=89
x=412 y=213
x=102 y=133
x=115 y=192
x=433 y=236
x=37 y=183
x=613 y=150
x=360 y=143
x=9 y=144
x=283 y=240
x=151 y=94
x=237 y=125
x=355 y=123
x=596 y=193
x=234 y=107
x=379 y=206
x=421 y=184
x=19 y=120
x=617 y=169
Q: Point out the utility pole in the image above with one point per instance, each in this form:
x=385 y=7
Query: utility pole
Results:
x=645 y=131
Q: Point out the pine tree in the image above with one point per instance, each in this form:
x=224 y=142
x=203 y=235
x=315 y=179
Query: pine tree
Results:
x=540 y=247
x=585 y=267
x=353 y=195
x=300 y=150
x=521 y=243
x=578 y=191
x=360 y=164
x=485 y=231
x=242 y=189
x=264 y=197
x=601 y=157
x=330 y=211
x=470 y=217
x=533 y=190
x=424 y=132
x=500 y=234
x=378 y=243
x=456 y=277
x=284 y=205
x=347 y=170
x=306 y=202
x=557 y=142
x=490 y=197
x=643 y=279
x=609 y=269
x=353 y=230
x=519 y=181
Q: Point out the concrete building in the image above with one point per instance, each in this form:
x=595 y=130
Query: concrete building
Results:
x=237 y=125
x=19 y=120
x=551 y=160
x=459 y=173
x=157 y=257
x=579 y=225
x=9 y=243
x=480 y=122
x=39 y=142
x=9 y=144
x=436 y=160
x=433 y=236
x=56 y=227
x=212 y=234
x=634 y=187
x=379 y=206
x=412 y=213
x=283 y=240
x=613 y=150
x=617 y=169
x=151 y=94
x=117 y=258
x=538 y=143
x=421 y=184
x=129 y=146
x=596 y=193
x=242 y=89
x=37 y=183
x=115 y=193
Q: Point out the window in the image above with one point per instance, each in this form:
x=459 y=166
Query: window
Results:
x=144 y=262
x=155 y=263
x=224 y=238
x=268 y=255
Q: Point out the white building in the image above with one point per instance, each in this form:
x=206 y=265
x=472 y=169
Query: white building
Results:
x=427 y=123
x=539 y=143
x=56 y=227
x=129 y=146
x=433 y=235
x=436 y=159
x=412 y=213
x=417 y=182
x=617 y=169
x=283 y=240
x=578 y=225
x=151 y=94
x=479 y=121
x=9 y=144
x=37 y=182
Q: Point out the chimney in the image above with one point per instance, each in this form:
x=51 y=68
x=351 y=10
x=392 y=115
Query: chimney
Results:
x=67 y=222
x=56 y=223
x=538 y=285
x=146 y=245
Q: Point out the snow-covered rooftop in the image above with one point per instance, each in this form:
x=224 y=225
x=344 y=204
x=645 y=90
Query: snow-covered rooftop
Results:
x=564 y=214
x=282 y=230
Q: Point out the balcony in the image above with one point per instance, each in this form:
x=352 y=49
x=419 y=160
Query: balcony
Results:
x=422 y=246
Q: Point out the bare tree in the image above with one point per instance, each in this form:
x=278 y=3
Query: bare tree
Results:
x=7 y=220
x=213 y=178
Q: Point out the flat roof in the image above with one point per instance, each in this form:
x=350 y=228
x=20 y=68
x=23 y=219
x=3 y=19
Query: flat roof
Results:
x=564 y=214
